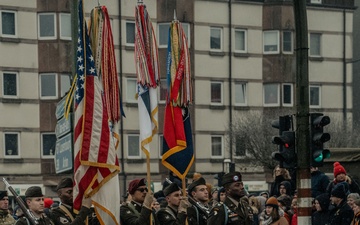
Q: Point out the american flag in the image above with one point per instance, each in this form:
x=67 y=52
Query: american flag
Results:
x=95 y=162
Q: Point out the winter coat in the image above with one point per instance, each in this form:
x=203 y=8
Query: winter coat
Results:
x=342 y=214
x=353 y=186
x=319 y=183
x=322 y=217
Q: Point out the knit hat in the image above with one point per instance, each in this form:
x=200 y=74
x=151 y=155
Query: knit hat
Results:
x=338 y=168
x=339 y=191
x=273 y=202
x=135 y=184
x=48 y=202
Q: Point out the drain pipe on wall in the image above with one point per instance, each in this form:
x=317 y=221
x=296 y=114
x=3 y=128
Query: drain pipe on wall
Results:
x=230 y=83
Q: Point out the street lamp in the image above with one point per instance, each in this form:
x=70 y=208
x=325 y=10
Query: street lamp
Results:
x=226 y=165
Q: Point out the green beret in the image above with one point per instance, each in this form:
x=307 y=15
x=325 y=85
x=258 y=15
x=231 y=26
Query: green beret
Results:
x=231 y=177
x=171 y=188
x=65 y=183
x=200 y=181
x=33 y=191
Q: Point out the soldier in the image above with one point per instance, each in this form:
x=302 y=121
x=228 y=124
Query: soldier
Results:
x=138 y=210
x=35 y=202
x=175 y=212
x=199 y=211
x=235 y=209
x=64 y=214
x=5 y=217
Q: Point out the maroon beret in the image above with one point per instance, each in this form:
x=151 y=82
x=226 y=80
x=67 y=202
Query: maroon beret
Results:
x=135 y=184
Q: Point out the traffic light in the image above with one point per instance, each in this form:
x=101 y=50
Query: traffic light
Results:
x=286 y=141
x=318 y=138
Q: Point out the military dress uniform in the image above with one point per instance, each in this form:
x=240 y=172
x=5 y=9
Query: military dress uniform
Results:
x=6 y=218
x=198 y=213
x=132 y=213
x=64 y=215
x=44 y=220
x=169 y=216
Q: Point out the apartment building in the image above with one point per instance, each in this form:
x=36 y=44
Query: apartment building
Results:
x=242 y=62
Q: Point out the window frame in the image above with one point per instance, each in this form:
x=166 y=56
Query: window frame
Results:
x=265 y=94
x=291 y=42
x=221 y=39
x=315 y=1
x=319 y=96
x=245 y=40
x=320 y=46
x=60 y=26
x=127 y=147
x=245 y=93
x=221 y=147
x=277 y=51
x=39 y=30
x=16 y=74
x=221 y=93
x=128 y=88
x=160 y=35
x=18 y=145
x=283 y=95
x=61 y=83
x=56 y=86
x=42 y=145
x=126 y=32
x=15 y=24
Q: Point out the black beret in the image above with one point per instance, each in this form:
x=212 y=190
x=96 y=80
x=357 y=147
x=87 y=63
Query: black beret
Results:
x=200 y=181
x=65 y=183
x=3 y=194
x=33 y=191
x=231 y=177
x=171 y=188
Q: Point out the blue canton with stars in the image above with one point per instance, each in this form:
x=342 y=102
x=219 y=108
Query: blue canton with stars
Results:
x=80 y=67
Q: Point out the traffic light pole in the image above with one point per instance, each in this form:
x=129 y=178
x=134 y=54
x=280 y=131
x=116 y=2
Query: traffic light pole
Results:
x=302 y=117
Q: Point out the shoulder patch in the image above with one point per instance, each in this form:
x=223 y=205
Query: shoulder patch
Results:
x=63 y=220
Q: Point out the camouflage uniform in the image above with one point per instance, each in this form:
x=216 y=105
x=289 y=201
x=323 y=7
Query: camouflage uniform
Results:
x=6 y=218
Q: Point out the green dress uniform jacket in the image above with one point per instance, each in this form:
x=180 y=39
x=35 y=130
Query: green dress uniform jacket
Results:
x=44 y=220
x=228 y=213
x=60 y=215
x=134 y=214
x=168 y=216
x=197 y=215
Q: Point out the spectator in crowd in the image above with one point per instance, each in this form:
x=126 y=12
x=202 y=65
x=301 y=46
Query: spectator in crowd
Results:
x=271 y=215
x=322 y=215
x=356 y=209
x=341 y=176
x=18 y=213
x=294 y=210
x=341 y=214
x=280 y=175
x=285 y=205
x=262 y=201
x=351 y=198
x=265 y=194
x=214 y=194
x=319 y=182
x=138 y=211
x=255 y=206
x=221 y=195
x=285 y=188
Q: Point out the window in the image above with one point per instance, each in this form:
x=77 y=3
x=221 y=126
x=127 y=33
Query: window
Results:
x=65 y=84
x=133 y=146
x=240 y=143
x=315 y=44
x=130 y=33
x=271 y=42
x=48 y=143
x=65 y=26
x=271 y=94
x=240 y=41
x=240 y=94
x=131 y=90
x=10 y=84
x=315 y=96
x=163 y=29
x=287 y=98
x=215 y=38
x=287 y=42
x=8 y=23
x=163 y=90
x=161 y=145
x=48 y=86
x=216 y=146
x=216 y=92
x=46 y=26
x=315 y=1
x=12 y=148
